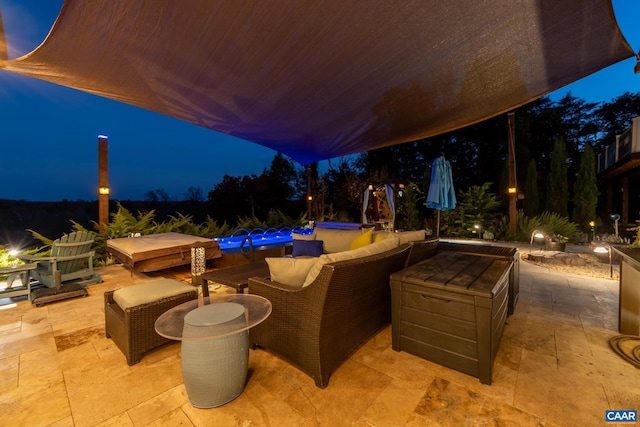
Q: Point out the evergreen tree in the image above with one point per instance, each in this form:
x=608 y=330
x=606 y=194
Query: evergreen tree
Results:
x=531 y=203
x=409 y=217
x=558 y=194
x=476 y=206
x=585 y=191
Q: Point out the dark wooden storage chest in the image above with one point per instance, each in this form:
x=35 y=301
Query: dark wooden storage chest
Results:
x=451 y=309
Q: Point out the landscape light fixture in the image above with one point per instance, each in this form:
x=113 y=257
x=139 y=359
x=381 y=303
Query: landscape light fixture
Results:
x=479 y=228
x=198 y=267
x=512 y=190
x=535 y=234
x=603 y=249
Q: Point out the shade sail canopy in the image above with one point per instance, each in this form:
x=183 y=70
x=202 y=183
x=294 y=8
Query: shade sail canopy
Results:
x=320 y=79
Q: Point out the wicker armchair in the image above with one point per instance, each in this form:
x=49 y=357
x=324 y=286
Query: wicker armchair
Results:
x=133 y=329
x=317 y=327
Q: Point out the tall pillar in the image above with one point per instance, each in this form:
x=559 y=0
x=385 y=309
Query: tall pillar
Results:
x=513 y=188
x=103 y=181
x=624 y=215
x=309 y=196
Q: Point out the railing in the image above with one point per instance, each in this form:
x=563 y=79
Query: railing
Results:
x=626 y=143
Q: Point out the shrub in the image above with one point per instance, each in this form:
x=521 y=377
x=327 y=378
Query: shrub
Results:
x=550 y=223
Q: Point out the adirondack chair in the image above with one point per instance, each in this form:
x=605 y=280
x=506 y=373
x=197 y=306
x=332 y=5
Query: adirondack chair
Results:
x=71 y=256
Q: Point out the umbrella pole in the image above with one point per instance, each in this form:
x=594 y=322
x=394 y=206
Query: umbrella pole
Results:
x=438 y=225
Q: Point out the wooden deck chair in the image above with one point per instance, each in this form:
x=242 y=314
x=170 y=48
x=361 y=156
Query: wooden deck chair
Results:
x=71 y=256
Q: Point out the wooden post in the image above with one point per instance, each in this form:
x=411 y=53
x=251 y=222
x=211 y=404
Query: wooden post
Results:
x=103 y=182
x=512 y=191
x=309 y=196
x=625 y=203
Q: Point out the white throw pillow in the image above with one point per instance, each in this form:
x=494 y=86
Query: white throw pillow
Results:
x=290 y=271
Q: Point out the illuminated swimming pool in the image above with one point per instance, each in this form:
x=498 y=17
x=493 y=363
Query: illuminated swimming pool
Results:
x=243 y=240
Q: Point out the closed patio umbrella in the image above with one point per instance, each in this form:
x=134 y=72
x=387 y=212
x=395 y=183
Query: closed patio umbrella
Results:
x=441 y=195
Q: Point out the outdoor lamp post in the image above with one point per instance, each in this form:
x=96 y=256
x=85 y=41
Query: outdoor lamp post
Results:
x=535 y=234
x=198 y=267
x=603 y=249
x=479 y=228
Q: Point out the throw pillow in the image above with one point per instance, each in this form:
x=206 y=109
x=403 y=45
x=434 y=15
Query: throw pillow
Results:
x=336 y=240
x=379 y=237
x=290 y=271
x=307 y=248
x=362 y=240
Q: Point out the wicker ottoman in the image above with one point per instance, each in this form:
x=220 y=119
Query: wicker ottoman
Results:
x=130 y=314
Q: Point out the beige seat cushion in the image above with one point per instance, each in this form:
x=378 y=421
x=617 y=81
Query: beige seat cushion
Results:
x=372 y=249
x=290 y=271
x=146 y=292
x=403 y=236
x=336 y=240
x=298 y=236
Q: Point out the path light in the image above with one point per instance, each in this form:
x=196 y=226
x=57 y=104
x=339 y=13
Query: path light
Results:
x=479 y=228
x=603 y=249
x=536 y=234
x=198 y=267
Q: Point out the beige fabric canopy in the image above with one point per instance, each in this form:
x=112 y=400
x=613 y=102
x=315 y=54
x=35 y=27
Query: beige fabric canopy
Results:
x=319 y=79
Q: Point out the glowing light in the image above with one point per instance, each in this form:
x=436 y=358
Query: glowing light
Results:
x=103 y=190
x=512 y=190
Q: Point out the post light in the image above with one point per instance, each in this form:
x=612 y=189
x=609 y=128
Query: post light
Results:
x=603 y=249
x=478 y=227
x=103 y=182
x=592 y=224
x=198 y=267
x=535 y=234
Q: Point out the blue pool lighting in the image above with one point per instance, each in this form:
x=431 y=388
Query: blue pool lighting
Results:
x=242 y=239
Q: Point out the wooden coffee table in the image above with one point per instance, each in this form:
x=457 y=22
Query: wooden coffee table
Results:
x=235 y=277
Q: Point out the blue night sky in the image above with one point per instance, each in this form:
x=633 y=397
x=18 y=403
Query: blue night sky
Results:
x=48 y=133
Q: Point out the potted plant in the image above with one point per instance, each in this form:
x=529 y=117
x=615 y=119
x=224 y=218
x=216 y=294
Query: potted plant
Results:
x=556 y=242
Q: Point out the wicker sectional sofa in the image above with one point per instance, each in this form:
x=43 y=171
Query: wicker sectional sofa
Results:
x=317 y=326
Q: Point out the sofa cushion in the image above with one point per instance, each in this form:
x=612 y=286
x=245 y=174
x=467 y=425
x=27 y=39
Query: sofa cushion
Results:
x=411 y=236
x=362 y=240
x=307 y=248
x=336 y=240
x=290 y=271
x=146 y=292
x=403 y=236
x=372 y=249
x=299 y=236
